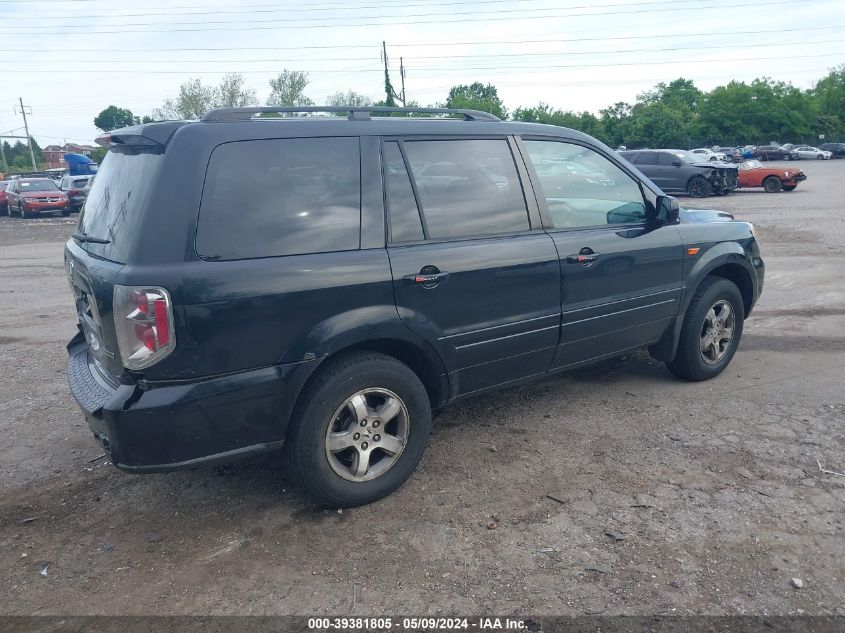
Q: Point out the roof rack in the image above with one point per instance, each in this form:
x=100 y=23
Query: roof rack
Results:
x=354 y=113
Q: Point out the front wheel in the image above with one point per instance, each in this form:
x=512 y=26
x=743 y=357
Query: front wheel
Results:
x=820 y=157
x=359 y=430
x=772 y=184
x=21 y=213
x=699 y=187
x=787 y=157
x=711 y=331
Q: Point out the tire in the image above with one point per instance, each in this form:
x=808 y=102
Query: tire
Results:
x=787 y=157
x=789 y=187
x=690 y=362
x=327 y=408
x=761 y=157
x=772 y=184
x=699 y=187
x=820 y=157
x=65 y=212
x=21 y=213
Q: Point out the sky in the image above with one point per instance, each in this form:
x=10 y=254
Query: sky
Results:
x=69 y=59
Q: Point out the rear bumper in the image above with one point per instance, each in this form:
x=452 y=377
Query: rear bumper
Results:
x=164 y=427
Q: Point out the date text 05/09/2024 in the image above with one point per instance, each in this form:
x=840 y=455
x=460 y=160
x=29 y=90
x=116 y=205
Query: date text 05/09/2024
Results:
x=415 y=624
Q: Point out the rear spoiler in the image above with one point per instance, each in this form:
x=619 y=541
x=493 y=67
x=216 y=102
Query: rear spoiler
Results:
x=149 y=135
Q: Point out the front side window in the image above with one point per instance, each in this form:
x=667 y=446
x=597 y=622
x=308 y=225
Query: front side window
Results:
x=582 y=188
x=467 y=188
x=280 y=197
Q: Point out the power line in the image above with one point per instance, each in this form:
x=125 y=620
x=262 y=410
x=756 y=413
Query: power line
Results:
x=309 y=9
x=440 y=70
x=426 y=44
x=253 y=60
x=262 y=24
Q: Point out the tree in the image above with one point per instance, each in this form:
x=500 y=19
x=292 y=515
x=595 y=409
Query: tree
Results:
x=233 y=93
x=99 y=154
x=113 y=117
x=348 y=98
x=288 y=89
x=477 y=96
x=193 y=101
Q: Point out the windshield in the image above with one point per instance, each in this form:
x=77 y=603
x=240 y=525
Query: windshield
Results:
x=38 y=185
x=115 y=202
x=750 y=164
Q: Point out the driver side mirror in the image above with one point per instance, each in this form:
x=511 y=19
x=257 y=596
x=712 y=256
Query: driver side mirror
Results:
x=676 y=163
x=667 y=209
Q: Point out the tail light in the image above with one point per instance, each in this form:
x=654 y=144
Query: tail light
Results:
x=143 y=321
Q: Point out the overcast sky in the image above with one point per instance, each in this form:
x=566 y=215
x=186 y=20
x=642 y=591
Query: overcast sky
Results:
x=69 y=59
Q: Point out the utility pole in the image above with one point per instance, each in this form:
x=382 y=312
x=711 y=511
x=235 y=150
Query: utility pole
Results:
x=3 y=156
x=402 y=75
x=28 y=137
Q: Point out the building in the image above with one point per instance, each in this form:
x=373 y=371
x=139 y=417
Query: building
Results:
x=54 y=155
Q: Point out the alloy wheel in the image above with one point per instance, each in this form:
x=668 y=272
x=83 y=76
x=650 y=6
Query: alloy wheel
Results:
x=717 y=332
x=367 y=434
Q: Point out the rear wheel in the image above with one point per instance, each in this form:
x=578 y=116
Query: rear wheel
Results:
x=699 y=187
x=711 y=331
x=789 y=187
x=359 y=430
x=772 y=184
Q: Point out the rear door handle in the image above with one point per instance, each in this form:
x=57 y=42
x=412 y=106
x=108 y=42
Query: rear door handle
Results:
x=426 y=280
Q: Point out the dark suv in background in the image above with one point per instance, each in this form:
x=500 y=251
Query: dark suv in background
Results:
x=681 y=172
x=837 y=149
x=774 y=152
x=322 y=284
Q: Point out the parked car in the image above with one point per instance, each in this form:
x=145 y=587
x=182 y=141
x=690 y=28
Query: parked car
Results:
x=709 y=155
x=74 y=187
x=35 y=196
x=244 y=286
x=774 y=152
x=732 y=154
x=807 y=151
x=3 y=186
x=752 y=173
x=681 y=172
x=836 y=149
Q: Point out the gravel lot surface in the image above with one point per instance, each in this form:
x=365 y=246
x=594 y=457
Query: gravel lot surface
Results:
x=614 y=490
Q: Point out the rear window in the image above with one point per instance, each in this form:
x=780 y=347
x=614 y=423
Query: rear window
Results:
x=280 y=197
x=113 y=208
x=80 y=183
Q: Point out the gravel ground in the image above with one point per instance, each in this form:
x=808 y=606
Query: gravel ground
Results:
x=614 y=490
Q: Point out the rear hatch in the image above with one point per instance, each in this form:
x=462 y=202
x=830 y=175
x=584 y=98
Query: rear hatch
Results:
x=103 y=239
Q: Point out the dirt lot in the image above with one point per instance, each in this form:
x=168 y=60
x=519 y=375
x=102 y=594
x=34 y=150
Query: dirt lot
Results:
x=713 y=488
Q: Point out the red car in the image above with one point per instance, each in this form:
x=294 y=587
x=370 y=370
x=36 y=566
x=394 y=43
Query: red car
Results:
x=752 y=173
x=26 y=196
x=3 y=185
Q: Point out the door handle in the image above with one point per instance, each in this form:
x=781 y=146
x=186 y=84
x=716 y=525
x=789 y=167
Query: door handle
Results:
x=585 y=257
x=426 y=280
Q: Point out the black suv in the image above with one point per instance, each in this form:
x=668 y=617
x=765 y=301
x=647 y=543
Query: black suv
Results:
x=248 y=283
x=837 y=149
x=682 y=172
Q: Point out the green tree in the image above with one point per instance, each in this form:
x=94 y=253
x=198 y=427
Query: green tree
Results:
x=348 y=98
x=113 y=117
x=828 y=96
x=194 y=100
x=99 y=154
x=233 y=93
x=288 y=89
x=477 y=96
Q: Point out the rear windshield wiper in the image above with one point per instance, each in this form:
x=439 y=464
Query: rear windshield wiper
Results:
x=89 y=238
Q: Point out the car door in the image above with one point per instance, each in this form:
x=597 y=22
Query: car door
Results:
x=660 y=175
x=621 y=278
x=12 y=196
x=474 y=274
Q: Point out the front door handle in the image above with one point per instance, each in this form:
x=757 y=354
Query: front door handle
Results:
x=585 y=257
x=426 y=278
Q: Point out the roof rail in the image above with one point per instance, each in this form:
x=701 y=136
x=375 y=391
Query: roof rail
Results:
x=356 y=113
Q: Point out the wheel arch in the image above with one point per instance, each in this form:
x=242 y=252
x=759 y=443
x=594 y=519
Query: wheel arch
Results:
x=726 y=260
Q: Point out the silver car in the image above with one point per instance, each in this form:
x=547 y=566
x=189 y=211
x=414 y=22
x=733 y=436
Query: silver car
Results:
x=806 y=151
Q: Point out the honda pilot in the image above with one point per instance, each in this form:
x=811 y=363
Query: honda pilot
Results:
x=321 y=284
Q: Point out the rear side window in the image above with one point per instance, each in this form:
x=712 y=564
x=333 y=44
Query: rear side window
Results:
x=280 y=197
x=646 y=158
x=467 y=187
x=404 y=216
